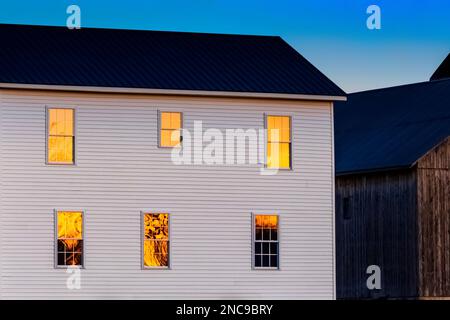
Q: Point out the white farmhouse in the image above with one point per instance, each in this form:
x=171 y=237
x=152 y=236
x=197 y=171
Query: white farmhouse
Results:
x=118 y=178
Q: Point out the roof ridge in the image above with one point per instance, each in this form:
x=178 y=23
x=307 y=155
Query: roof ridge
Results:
x=143 y=30
x=400 y=86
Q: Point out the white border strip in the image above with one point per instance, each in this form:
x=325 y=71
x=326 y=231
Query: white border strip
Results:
x=173 y=92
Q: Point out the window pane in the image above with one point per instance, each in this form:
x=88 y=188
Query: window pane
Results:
x=278 y=129
x=169 y=138
x=274 y=135
x=266 y=261
x=68 y=155
x=60 y=121
x=61 y=259
x=259 y=219
x=276 y=122
x=258 y=260
x=61 y=245
x=52 y=121
x=68 y=127
x=266 y=220
x=175 y=137
x=156 y=236
x=70 y=245
x=170 y=129
x=77 y=246
x=278 y=142
x=156 y=253
x=60 y=141
x=274 y=261
x=170 y=120
x=78 y=258
x=273 y=155
x=166 y=138
x=285 y=130
x=278 y=155
x=273 y=235
x=73 y=259
x=60 y=149
x=70 y=234
x=165 y=120
x=265 y=247
x=270 y=122
x=273 y=248
x=284 y=155
x=52 y=149
x=70 y=225
x=258 y=234
x=272 y=221
x=175 y=122
x=156 y=226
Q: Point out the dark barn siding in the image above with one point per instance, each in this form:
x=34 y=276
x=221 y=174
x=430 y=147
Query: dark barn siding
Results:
x=381 y=230
x=434 y=221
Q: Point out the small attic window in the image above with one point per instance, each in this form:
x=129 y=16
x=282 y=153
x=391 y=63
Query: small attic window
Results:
x=346 y=208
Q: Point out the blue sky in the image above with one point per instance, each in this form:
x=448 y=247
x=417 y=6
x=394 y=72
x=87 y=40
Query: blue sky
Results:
x=332 y=34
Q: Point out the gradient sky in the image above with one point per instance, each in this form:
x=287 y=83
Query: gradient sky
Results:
x=332 y=34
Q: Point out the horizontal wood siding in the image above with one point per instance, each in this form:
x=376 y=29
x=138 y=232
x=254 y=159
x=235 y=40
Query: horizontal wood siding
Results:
x=434 y=221
x=120 y=171
x=381 y=230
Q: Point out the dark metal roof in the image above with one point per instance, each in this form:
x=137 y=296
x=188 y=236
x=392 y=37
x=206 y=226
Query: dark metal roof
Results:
x=156 y=60
x=391 y=128
x=443 y=71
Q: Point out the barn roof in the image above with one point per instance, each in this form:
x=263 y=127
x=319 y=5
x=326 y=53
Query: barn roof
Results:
x=391 y=128
x=47 y=55
x=443 y=71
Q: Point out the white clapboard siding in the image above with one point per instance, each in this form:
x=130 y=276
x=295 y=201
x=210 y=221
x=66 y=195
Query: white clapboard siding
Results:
x=120 y=171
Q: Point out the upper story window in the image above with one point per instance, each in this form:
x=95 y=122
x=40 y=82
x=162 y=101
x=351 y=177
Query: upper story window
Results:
x=61 y=137
x=278 y=142
x=170 y=124
x=265 y=242
x=156 y=240
x=69 y=240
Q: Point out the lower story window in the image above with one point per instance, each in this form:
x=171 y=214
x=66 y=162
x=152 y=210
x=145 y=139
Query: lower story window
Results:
x=156 y=240
x=69 y=242
x=265 y=242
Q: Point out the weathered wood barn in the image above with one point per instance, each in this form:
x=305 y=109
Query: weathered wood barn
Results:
x=393 y=190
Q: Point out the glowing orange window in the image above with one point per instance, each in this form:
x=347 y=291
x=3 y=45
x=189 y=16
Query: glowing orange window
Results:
x=170 y=129
x=279 y=142
x=265 y=241
x=156 y=240
x=60 y=140
x=69 y=238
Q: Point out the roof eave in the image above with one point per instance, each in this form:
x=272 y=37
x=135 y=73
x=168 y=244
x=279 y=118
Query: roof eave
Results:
x=437 y=145
x=98 y=89
x=373 y=170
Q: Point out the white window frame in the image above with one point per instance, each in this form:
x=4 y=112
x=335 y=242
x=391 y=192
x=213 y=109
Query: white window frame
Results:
x=254 y=267
x=55 y=238
x=291 y=148
x=169 y=240
x=159 y=128
x=47 y=135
